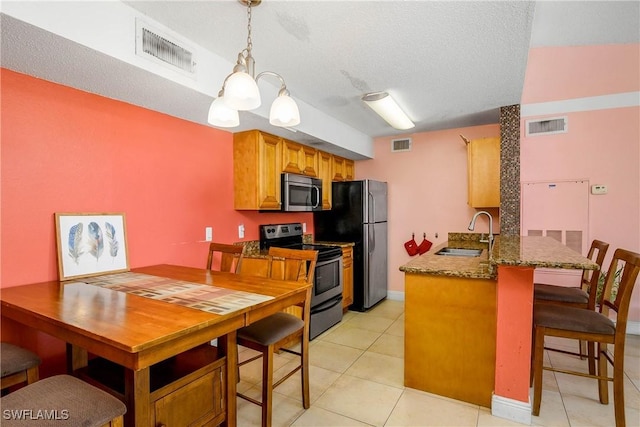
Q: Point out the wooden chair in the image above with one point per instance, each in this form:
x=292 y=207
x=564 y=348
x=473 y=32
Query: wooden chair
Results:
x=580 y=297
x=229 y=256
x=265 y=334
x=591 y=326
x=18 y=365
x=72 y=401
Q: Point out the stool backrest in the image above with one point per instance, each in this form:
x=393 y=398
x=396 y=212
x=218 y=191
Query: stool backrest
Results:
x=299 y=264
x=590 y=278
x=629 y=265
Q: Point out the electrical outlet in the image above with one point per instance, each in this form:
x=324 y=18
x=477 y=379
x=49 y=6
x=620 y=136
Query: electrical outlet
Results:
x=208 y=234
x=304 y=227
x=241 y=231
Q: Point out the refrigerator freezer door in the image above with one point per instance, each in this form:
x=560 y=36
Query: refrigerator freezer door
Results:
x=375 y=263
x=375 y=201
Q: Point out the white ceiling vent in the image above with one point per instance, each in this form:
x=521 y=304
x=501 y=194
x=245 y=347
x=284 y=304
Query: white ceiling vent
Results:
x=547 y=126
x=403 y=144
x=157 y=46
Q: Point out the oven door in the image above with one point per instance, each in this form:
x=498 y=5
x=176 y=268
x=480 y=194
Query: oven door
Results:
x=301 y=193
x=327 y=282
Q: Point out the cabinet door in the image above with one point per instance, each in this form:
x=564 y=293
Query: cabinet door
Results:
x=293 y=158
x=347 y=277
x=483 y=166
x=269 y=167
x=194 y=404
x=338 y=169
x=325 y=163
x=349 y=170
x=310 y=161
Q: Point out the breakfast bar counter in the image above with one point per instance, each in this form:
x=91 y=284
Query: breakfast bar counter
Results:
x=468 y=319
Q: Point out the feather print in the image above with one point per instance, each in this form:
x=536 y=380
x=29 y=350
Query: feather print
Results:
x=111 y=239
x=96 y=243
x=75 y=240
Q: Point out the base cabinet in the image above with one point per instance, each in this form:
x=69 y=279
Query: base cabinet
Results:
x=450 y=336
x=186 y=390
x=347 y=277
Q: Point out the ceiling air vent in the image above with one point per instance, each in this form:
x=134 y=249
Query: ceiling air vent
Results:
x=548 y=126
x=165 y=50
x=403 y=144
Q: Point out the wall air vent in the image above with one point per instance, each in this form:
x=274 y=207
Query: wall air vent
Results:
x=157 y=46
x=547 y=126
x=403 y=144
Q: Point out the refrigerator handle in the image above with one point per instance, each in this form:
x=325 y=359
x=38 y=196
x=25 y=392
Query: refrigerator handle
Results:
x=372 y=210
x=372 y=238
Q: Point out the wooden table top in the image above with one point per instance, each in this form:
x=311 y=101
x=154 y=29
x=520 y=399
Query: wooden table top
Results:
x=92 y=316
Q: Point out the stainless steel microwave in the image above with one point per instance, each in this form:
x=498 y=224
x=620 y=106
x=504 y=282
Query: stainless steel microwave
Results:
x=301 y=193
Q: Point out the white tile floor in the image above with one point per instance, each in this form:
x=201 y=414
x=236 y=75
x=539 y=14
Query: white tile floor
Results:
x=356 y=379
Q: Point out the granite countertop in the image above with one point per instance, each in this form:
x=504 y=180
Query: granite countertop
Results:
x=340 y=244
x=522 y=251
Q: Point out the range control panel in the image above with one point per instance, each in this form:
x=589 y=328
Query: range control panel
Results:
x=277 y=231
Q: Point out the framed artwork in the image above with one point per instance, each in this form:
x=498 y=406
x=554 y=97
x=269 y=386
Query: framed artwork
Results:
x=90 y=244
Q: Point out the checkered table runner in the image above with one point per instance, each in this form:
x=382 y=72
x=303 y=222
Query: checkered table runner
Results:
x=202 y=297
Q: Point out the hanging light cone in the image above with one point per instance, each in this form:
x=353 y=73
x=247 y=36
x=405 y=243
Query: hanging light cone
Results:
x=221 y=115
x=241 y=92
x=284 y=112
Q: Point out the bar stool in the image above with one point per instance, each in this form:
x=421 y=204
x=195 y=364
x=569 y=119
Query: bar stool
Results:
x=265 y=334
x=229 y=256
x=63 y=398
x=594 y=327
x=18 y=365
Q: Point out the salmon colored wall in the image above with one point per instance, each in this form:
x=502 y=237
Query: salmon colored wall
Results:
x=427 y=190
x=601 y=145
x=65 y=150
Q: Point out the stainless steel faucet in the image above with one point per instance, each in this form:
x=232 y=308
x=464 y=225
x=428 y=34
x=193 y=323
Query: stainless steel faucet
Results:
x=472 y=225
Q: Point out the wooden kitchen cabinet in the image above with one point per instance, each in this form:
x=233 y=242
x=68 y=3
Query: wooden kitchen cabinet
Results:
x=338 y=168
x=349 y=170
x=483 y=172
x=325 y=163
x=450 y=336
x=257 y=166
x=347 y=277
x=298 y=158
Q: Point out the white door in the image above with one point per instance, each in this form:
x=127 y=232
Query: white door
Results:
x=559 y=210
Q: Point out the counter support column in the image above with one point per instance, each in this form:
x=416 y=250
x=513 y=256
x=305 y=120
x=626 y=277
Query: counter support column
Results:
x=513 y=343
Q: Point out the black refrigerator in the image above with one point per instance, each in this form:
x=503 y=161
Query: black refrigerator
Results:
x=359 y=214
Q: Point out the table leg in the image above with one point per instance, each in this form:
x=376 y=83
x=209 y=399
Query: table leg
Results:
x=229 y=346
x=76 y=358
x=137 y=389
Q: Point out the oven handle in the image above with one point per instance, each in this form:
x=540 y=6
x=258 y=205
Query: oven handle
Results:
x=327 y=305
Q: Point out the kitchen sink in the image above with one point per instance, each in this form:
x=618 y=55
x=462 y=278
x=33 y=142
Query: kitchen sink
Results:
x=459 y=252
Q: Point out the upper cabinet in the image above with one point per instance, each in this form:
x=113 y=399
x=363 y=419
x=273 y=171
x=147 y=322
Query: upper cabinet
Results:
x=300 y=159
x=343 y=169
x=257 y=165
x=483 y=166
x=259 y=159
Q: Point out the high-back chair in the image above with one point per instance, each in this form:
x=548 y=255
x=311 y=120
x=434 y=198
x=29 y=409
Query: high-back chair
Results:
x=264 y=335
x=18 y=365
x=72 y=401
x=591 y=326
x=229 y=256
x=580 y=297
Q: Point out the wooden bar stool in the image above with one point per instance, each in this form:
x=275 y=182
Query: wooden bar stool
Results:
x=594 y=327
x=265 y=334
x=229 y=256
x=18 y=365
x=67 y=400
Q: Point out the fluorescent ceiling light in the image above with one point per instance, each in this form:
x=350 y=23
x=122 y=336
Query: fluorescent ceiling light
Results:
x=387 y=108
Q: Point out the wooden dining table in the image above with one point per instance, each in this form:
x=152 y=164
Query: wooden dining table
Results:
x=138 y=333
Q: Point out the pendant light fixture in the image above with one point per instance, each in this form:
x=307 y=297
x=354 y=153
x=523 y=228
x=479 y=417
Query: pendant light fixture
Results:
x=240 y=90
x=387 y=108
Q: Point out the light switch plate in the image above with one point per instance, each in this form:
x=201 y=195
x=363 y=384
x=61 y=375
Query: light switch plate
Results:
x=599 y=189
x=241 y=231
x=208 y=234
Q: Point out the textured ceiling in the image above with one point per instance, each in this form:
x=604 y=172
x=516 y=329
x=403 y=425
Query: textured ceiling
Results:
x=449 y=64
